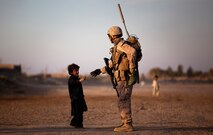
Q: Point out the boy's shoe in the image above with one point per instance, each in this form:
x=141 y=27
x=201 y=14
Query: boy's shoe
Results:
x=124 y=128
x=72 y=124
x=81 y=126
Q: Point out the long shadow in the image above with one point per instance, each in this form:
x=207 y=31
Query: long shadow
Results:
x=53 y=129
x=100 y=129
x=167 y=128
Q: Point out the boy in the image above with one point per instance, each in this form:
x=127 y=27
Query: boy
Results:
x=155 y=86
x=78 y=104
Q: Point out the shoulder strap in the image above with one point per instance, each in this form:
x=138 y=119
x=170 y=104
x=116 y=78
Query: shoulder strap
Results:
x=121 y=43
x=121 y=53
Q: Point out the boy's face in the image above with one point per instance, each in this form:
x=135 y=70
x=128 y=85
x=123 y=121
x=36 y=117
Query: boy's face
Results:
x=75 y=72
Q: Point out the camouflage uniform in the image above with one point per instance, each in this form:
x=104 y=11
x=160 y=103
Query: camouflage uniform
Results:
x=123 y=64
x=121 y=74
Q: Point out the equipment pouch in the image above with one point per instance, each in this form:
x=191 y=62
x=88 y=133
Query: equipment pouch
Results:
x=124 y=64
x=123 y=75
x=117 y=75
x=132 y=79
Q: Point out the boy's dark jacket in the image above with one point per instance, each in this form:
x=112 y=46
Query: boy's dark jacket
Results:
x=78 y=104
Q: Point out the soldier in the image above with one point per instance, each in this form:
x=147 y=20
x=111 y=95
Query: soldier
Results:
x=123 y=66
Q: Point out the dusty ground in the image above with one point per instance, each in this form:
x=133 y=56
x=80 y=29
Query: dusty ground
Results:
x=180 y=109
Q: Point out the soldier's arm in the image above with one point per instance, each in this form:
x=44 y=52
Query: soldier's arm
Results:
x=104 y=70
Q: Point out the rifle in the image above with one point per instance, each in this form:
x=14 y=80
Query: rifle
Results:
x=110 y=73
x=122 y=17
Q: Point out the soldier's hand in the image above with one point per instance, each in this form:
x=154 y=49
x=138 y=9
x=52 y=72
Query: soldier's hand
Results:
x=95 y=72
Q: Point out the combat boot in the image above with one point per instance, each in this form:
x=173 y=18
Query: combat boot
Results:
x=124 y=128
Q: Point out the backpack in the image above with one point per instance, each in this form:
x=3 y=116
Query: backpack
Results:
x=133 y=41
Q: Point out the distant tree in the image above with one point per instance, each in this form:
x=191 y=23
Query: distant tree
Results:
x=155 y=71
x=198 y=73
x=190 y=72
x=210 y=73
x=170 y=72
x=180 y=70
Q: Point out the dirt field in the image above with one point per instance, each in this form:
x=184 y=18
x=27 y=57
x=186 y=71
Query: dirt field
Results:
x=180 y=109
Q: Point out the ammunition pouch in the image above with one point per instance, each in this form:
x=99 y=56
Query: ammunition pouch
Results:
x=132 y=79
x=124 y=64
x=120 y=64
x=121 y=75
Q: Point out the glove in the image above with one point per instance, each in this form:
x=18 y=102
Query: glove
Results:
x=132 y=79
x=95 y=72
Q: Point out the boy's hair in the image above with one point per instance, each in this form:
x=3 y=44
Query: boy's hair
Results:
x=71 y=67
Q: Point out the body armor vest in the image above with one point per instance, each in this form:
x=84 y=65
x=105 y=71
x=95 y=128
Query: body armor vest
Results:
x=120 y=64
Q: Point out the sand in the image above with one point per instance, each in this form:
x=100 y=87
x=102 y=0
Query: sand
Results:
x=180 y=109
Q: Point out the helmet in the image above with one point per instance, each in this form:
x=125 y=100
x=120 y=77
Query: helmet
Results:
x=115 y=31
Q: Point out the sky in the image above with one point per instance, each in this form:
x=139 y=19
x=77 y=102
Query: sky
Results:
x=48 y=35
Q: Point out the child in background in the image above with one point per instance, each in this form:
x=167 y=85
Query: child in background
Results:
x=155 y=87
x=78 y=104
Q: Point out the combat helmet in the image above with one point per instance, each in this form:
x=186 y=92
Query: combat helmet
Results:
x=115 y=31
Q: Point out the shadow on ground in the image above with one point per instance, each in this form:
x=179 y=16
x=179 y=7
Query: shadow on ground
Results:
x=94 y=130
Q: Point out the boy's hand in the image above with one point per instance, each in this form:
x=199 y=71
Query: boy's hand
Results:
x=83 y=78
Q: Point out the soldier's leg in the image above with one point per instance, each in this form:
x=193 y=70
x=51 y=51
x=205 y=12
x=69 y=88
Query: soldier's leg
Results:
x=124 y=106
